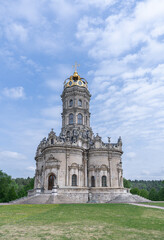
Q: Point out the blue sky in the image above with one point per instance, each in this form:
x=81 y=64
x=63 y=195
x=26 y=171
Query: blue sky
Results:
x=120 y=48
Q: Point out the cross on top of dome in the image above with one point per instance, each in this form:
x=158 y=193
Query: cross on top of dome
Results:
x=76 y=66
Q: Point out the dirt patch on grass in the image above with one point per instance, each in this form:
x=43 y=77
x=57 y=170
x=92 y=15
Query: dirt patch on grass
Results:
x=74 y=231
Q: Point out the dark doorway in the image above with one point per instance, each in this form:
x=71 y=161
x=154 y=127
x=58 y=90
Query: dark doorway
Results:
x=92 y=181
x=51 y=181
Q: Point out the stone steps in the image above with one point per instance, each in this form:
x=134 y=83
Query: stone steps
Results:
x=44 y=199
x=39 y=199
x=21 y=200
x=36 y=199
x=128 y=198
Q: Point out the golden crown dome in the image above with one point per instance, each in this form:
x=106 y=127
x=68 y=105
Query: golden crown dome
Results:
x=75 y=80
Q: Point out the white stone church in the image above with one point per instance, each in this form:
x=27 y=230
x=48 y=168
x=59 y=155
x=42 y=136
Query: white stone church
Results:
x=77 y=165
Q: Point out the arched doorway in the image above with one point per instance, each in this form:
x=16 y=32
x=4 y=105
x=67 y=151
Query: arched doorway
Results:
x=51 y=181
x=92 y=181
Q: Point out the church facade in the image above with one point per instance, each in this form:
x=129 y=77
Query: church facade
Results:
x=78 y=165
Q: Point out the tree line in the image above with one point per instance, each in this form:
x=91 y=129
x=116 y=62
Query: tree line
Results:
x=151 y=189
x=11 y=189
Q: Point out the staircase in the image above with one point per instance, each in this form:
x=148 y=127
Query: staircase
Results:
x=128 y=198
x=43 y=199
x=36 y=199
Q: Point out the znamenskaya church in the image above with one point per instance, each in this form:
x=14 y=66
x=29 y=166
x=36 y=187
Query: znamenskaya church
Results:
x=77 y=165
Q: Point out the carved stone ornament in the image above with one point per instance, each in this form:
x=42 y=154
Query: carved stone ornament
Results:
x=52 y=162
x=52 y=159
x=73 y=166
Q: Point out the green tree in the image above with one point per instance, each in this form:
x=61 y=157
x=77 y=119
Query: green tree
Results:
x=126 y=183
x=144 y=193
x=12 y=194
x=29 y=186
x=5 y=182
x=153 y=195
x=161 y=194
x=11 y=189
x=135 y=191
x=21 y=192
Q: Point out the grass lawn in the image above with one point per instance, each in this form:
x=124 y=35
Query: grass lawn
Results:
x=161 y=204
x=81 y=221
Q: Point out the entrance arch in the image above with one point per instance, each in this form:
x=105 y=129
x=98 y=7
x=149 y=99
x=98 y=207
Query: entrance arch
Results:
x=51 y=181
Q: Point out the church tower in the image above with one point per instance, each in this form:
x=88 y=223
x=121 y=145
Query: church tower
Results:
x=76 y=115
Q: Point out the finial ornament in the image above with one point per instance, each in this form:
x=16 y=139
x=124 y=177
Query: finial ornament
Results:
x=76 y=66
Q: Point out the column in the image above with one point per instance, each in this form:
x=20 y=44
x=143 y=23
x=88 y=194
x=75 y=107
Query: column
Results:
x=79 y=176
x=85 y=161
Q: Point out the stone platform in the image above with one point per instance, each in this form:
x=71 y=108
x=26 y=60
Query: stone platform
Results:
x=80 y=195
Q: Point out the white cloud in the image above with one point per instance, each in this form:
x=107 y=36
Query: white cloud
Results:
x=131 y=155
x=8 y=155
x=124 y=32
x=31 y=168
x=53 y=112
x=62 y=72
x=30 y=63
x=17 y=32
x=101 y=4
x=22 y=10
x=14 y=93
x=28 y=23
x=133 y=106
x=128 y=83
x=64 y=10
x=93 y=32
x=55 y=84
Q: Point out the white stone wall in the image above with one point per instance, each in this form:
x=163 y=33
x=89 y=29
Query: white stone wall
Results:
x=64 y=161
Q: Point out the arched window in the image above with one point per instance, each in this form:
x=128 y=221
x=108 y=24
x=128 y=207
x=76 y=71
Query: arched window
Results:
x=71 y=118
x=104 y=183
x=92 y=181
x=51 y=181
x=80 y=118
x=80 y=103
x=52 y=141
x=71 y=103
x=74 y=180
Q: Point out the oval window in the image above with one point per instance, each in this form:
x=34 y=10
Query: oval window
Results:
x=80 y=83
